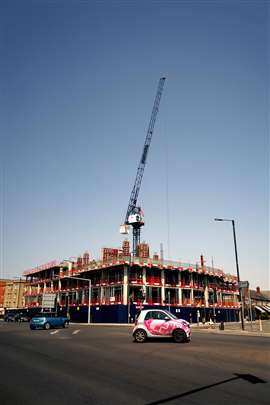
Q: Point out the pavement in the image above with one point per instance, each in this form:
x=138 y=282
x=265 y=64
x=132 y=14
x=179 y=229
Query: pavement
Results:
x=255 y=328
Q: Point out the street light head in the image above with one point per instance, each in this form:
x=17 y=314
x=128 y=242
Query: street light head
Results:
x=224 y=219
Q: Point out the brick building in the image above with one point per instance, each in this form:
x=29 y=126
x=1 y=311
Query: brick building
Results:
x=14 y=294
x=256 y=301
x=3 y=283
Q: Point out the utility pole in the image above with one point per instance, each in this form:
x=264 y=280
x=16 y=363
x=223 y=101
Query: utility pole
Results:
x=237 y=268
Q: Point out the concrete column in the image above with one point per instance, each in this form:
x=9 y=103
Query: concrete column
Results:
x=83 y=295
x=206 y=296
x=180 y=299
x=162 y=287
x=144 y=283
x=125 y=286
x=191 y=296
x=219 y=296
x=102 y=294
x=191 y=279
x=59 y=289
x=144 y=275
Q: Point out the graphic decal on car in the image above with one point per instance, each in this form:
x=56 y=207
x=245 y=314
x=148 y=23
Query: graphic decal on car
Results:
x=161 y=327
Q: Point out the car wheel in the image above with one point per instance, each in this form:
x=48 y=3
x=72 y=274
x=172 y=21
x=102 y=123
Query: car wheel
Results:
x=179 y=336
x=140 y=336
x=47 y=326
x=65 y=325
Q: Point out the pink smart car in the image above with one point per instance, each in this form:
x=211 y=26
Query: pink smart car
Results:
x=153 y=323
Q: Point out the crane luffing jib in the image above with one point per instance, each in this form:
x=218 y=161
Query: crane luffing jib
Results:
x=136 y=188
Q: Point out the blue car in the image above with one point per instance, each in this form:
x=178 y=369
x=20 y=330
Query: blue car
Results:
x=48 y=321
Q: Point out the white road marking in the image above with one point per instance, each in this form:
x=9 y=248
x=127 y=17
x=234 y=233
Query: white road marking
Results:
x=54 y=332
x=75 y=332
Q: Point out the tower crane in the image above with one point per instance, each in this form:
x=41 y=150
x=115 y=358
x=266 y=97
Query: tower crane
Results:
x=134 y=215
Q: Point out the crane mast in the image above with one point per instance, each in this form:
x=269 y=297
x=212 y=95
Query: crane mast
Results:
x=134 y=215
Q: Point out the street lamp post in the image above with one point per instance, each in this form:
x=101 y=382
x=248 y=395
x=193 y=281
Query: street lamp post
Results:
x=237 y=266
x=89 y=295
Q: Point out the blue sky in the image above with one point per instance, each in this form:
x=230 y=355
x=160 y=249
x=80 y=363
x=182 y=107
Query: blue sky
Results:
x=78 y=84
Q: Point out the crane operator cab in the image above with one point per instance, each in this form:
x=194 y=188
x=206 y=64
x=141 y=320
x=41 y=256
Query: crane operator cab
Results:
x=136 y=219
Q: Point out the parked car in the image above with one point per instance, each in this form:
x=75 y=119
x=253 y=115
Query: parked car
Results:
x=11 y=317
x=48 y=320
x=155 y=323
x=23 y=318
x=16 y=317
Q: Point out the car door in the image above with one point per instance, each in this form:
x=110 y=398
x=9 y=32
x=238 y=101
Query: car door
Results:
x=52 y=320
x=155 y=323
x=59 y=321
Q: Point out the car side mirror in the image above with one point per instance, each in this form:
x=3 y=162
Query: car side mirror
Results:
x=167 y=318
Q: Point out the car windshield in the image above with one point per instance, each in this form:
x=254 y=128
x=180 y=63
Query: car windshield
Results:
x=171 y=315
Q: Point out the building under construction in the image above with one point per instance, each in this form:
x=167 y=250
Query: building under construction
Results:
x=122 y=284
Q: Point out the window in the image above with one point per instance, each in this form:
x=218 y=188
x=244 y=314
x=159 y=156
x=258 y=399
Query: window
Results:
x=156 y=315
x=159 y=315
x=149 y=315
x=170 y=315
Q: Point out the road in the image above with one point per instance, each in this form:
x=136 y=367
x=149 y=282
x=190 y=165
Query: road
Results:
x=102 y=365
